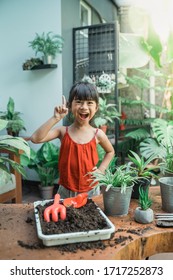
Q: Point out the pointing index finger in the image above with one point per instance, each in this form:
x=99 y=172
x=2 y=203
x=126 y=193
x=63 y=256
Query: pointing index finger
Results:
x=64 y=102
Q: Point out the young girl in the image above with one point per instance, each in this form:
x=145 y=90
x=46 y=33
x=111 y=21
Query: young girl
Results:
x=78 y=152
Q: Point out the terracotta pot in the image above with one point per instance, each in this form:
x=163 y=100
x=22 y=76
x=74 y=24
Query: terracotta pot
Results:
x=104 y=128
x=12 y=133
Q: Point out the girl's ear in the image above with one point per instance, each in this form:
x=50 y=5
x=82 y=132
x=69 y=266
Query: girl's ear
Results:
x=97 y=107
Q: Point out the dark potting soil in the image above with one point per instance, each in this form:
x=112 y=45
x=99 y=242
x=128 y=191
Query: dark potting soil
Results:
x=81 y=219
x=86 y=218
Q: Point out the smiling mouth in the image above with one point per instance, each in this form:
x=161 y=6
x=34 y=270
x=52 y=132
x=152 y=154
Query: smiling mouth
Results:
x=84 y=116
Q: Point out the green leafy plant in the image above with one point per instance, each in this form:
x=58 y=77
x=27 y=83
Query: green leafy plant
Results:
x=160 y=146
x=44 y=162
x=30 y=63
x=15 y=123
x=141 y=85
x=47 y=44
x=141 y=166
x=114 y=177
x=106 y=114
x=13 y=144
x=144 y=201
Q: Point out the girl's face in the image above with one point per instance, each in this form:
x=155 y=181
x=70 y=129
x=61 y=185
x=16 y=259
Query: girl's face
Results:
x=83 y=110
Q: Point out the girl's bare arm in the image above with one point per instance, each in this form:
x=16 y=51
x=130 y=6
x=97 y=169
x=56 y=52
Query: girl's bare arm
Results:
x=107 y=146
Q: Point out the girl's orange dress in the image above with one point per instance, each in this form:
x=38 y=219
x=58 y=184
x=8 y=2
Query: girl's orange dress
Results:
x=75 y=161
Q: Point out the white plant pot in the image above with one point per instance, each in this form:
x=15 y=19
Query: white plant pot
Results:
x=48 y=59
x=143 y=216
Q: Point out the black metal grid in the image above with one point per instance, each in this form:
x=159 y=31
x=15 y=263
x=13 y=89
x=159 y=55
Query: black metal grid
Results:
x=95 y=51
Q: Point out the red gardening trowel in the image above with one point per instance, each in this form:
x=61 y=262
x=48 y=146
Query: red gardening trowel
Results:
x=77 y=201
x=54 y=209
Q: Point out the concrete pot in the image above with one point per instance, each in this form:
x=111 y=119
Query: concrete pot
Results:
x=143 y=216
x=115 y=202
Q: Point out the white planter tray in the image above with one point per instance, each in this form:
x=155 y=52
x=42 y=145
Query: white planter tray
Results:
x=75 y=237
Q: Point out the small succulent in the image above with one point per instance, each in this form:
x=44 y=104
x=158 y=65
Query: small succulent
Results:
x=144 y=201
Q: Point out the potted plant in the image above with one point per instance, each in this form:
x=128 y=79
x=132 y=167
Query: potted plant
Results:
x=30 y=63
x=143 y=170
x=160 y=145
x=15 y=123
x=48 y=44
x=107 y=114
x=105 y=83
x=144 y=214
x=13 y=144
x=45 y=163
x=116 y=185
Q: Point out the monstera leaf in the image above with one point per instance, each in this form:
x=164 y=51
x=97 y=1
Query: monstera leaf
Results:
x=162 y=142
x=151 y=148
x=163 y=131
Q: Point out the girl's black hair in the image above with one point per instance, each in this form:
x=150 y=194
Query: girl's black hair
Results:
x=83 y=91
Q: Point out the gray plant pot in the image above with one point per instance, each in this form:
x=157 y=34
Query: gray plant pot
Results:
x=143 y=216
x=168 y=174
x=166 y=189
x=115 y=202
x=46 y=192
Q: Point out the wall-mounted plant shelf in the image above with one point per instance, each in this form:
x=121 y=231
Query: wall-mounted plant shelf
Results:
x=43 y=66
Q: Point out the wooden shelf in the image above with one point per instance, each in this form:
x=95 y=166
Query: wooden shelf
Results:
x=44 y=66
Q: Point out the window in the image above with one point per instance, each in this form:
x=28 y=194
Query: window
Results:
x=85 y=14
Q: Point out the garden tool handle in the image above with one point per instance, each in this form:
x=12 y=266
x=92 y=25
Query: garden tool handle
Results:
x=54 y=209
x=77 y=201
x=56 y=199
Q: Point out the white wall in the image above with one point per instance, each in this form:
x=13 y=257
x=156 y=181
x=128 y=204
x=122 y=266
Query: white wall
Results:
x=35 y=92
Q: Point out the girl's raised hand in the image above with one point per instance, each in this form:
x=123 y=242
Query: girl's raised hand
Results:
x=61 y=111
